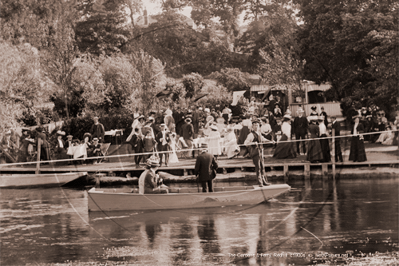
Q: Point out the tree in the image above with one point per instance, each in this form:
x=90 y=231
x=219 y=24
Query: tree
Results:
x=232 y=79
x=152 y=80
x=347 y=43
x=121 y=79
x=102 y=27
x=22 y=85
x=193 y=84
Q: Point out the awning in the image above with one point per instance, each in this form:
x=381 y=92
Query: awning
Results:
x=236 y=97
x=315 y=87
x=264 y=88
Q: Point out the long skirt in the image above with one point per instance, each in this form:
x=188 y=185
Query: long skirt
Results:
x=357 y=152
x=314 y=151
x=285 y=150
x=325 y=148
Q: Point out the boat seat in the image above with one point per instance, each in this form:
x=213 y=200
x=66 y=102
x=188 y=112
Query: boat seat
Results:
x=184 y=190
x=220 y=189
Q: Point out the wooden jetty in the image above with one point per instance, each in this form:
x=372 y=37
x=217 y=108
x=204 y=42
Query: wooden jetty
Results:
x=229 y=169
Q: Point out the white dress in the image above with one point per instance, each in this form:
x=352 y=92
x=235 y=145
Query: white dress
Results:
x=173 y=156
x=230 y=144
x=214 y=143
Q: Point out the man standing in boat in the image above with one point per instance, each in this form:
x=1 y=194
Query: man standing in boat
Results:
x=204 y=167
x=149 y=181
x=255 y=147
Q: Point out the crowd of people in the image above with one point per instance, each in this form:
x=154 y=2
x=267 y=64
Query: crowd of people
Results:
x=170 y=131
x=25 y=149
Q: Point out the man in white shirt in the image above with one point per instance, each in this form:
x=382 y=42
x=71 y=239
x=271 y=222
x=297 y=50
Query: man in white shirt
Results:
x=254 y=142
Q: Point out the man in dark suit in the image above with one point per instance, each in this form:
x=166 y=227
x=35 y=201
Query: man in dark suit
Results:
x=45 y=146
x=336 y=126
x=204 y=166
x=187 y=132
x=97 y=130
x=300 y=128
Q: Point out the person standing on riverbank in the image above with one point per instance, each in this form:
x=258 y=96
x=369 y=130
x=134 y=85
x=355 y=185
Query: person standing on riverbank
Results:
x=300 y=128
x=97 y=130
x=357 y=151
x=336 y=127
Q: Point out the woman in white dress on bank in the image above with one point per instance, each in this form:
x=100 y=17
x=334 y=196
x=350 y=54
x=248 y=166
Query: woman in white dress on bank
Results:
x=214 y=141
x=173 y=144
x=230 y=143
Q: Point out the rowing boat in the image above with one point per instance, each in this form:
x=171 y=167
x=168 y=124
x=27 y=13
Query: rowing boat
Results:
x=37 y=180
x=126 y=199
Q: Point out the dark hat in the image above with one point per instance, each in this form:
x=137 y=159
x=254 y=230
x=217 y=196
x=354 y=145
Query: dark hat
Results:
x=255 y=121
x=39 y=129
x=313 y=108
x=87 y=134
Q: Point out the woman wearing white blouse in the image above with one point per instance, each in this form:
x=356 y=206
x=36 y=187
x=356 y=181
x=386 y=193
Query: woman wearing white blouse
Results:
x=285 y=149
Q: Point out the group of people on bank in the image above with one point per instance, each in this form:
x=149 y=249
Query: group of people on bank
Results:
x=25 y=149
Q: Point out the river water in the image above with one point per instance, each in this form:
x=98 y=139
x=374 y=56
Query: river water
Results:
x=316 y=222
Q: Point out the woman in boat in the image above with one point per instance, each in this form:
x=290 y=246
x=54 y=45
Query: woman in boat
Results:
x=315 y=153
x=357 y=151
x=149 y=181
x=285 y=149
x=324 y=143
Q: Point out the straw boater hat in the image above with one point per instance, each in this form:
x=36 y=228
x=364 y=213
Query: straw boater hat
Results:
x=69 y=136
x=188 y=119
x=213 y=127
x=287 y=117
x=140 y=117
x=153 y=162
x=60 y=133
x=95 y=139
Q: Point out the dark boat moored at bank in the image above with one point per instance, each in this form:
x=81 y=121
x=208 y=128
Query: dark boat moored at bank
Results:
x=38 y=180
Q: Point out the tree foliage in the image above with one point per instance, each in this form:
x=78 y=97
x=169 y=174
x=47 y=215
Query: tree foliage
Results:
x=102 y=27
x=348 y=43
x=22 y=85
x=232 y=79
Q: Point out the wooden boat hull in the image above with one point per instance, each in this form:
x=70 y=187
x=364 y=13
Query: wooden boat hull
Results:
x=117 y=200
x=33 y=180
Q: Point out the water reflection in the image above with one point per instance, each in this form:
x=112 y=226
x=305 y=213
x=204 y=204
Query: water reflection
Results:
x=53 y=225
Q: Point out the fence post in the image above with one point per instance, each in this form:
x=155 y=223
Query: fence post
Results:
x=39 y=144
x=333 y=152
